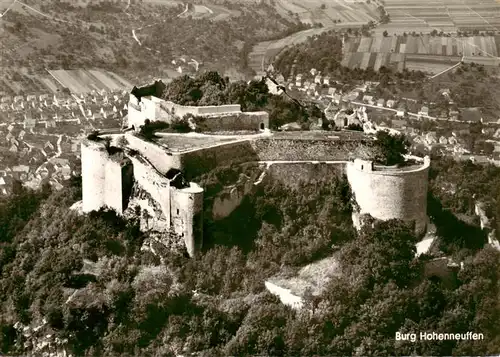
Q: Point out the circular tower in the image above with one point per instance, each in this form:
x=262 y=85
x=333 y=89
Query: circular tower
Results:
x=186 y=215
x=390 y=192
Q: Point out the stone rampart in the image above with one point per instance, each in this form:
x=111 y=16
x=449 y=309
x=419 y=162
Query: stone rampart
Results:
x=155 y=153
x=198 y=162
x=293 y=174
x=252 y=121
x=152 y=182
x=181 y=110
x=186 y=209
x=94 y=158
x=391 y=193
x=270 y=149
x=383 y=192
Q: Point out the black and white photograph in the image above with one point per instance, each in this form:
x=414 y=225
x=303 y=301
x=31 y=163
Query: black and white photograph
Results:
x=268 y=178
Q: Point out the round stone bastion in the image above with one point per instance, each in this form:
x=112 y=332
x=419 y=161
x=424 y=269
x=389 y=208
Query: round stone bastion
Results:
x=391 y=192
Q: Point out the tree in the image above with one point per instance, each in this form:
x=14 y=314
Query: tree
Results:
x=391 y=148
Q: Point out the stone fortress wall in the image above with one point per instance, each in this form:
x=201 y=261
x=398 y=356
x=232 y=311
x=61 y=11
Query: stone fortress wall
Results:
x=107 y=182
x=211 y=118
x=382 y=192
x=293 y=149
x=387 y=193
x=158 y=186
x=157 y=154
x=186 y=210
x=199 y=161
x=106 y=179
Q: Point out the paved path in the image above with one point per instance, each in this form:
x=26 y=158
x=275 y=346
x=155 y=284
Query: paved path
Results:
x=135 y=37
x=448 y=69
x=6 y=11
x=185 y=10
x=316 y=162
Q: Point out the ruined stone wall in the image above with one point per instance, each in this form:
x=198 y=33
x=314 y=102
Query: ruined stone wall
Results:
x=304 y=149
x=232 y=122
x=293 y=175
x=153 y=183
x=105 y=180
x=181 y=110
x=202 y=161
x=196 y=163
x=156 y=154
x=135 y=118
x=94 y=158
x=391 y=194
x=186 y=206
x=113 y=185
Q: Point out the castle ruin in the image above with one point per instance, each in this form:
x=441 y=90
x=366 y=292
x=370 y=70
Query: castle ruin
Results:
x=158 y=177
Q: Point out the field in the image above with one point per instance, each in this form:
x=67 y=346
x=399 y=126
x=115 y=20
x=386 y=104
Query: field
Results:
x=79 y=81
x=426 y=53
x=83 y=81
x=442 y=15
x=263 y=53
x=311 y=11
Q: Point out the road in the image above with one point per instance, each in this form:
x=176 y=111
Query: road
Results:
x=8 y=9
x=316 y=162
x=135 y=37
x=448 y=69
x=185 y=10
x=416 y=115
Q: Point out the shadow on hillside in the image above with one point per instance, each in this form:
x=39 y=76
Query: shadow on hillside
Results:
x=239 y=229
x=454 y=234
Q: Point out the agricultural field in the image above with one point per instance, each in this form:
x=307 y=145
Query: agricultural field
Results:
x=264 y=52
x=21 y=81
x=83 y=81
x=328 y=13
x=427 y=53
x=441 y=15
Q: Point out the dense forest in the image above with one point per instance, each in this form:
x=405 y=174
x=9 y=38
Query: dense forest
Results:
x=101 y=294
x=210 y=88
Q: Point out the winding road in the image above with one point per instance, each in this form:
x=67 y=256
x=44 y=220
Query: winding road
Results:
x=8 y=9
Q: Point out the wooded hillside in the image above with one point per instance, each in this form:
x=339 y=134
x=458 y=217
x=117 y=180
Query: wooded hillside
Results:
x=101 y=295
